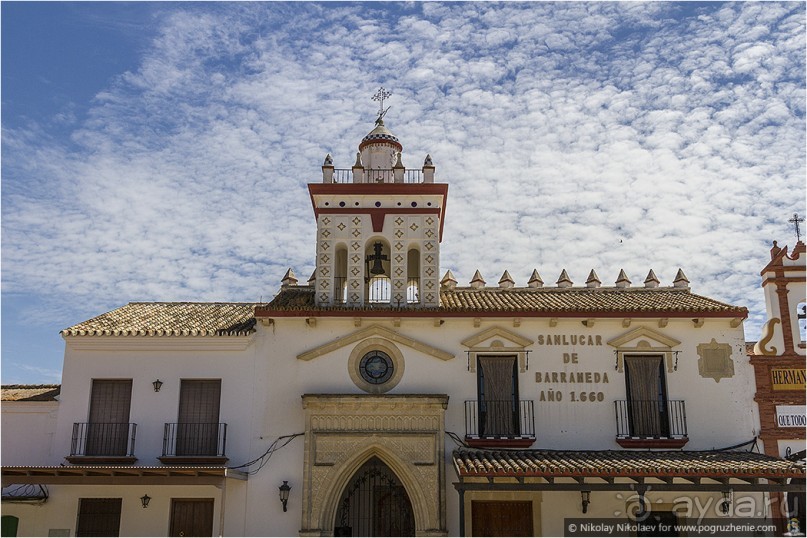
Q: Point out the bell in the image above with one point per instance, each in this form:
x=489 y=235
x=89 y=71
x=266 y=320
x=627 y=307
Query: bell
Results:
x=377 y=268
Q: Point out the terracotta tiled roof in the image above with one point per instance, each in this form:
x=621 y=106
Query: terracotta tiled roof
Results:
x=540 y=300
x=613 y=463
x=170 y=319
x=30 y=393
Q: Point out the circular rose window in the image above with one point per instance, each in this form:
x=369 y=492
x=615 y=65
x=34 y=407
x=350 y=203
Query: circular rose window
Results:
x=376 y=367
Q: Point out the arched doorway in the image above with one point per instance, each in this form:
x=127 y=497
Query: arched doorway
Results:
x=374 y=503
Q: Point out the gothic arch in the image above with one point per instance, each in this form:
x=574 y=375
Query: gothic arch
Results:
x=347 y=471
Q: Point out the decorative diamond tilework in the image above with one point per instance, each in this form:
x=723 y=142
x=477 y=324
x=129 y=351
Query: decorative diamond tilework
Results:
x=429 y=271
x=356 y=221
x=429 y=221
x=413 y=227
x=399 y=233
x=429 y=245
x=354 y=297
x=323 y=297
x=325 y=245
x=341 y=226
x=355 y=245
x=354 y=284
x=324 y=284
x=399 y=245
x=429 y=258
x=325 y=258
x=429 y=233
x=398 y=284
x=399 y=271
x=399 y=298
x=399 y=221
x=430 y=284
x=324 y=270
x=355 y=258
x=355 y=271
x=326 y=221
x=325 y=233
x=356 y=233
x=430 y=298
x=399 y=258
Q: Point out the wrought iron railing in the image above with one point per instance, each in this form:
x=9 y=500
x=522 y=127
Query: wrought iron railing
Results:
x=192 y=439
x=103 y=439
x=650 y=419
x=372 y=175
x=502 y=419
x=340 y=290
x=378 y=289
x=413 y=290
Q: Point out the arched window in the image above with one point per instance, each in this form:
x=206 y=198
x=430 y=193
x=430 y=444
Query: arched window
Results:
x=413 y=276
x=801 y=314
x=340 y=275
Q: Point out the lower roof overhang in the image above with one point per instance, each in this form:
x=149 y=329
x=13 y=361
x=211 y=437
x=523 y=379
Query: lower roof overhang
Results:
x=624 y=470
x=118 y=475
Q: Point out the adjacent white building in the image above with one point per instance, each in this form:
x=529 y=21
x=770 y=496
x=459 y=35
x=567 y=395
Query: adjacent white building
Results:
x=393 y=401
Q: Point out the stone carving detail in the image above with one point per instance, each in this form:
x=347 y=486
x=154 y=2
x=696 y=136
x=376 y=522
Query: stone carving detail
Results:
x=715 y=360
x=407 y=433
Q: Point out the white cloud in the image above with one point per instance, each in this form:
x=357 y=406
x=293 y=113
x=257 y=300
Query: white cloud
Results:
x=573 y=135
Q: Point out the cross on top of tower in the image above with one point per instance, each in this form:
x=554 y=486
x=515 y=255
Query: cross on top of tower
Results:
x=795 y=221
x=379 y=96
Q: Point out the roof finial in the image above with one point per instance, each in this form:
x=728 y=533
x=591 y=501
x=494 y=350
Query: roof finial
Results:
x=379 y=96
x=796 y=220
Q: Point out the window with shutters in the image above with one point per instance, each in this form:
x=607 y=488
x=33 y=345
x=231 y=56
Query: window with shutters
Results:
x=647 y=414
x=197 y=432
x=107 y=434
x=498 y=416
x=98 y=517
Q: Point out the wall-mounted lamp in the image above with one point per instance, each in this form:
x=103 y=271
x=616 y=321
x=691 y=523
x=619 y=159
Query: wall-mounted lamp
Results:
x=157 y=384
x=726 y=503
x=585 y=497
x=144 y=500
x=284 y=493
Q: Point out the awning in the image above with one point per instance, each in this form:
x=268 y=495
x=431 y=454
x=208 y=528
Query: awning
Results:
x=624 y=470
x=119 y=475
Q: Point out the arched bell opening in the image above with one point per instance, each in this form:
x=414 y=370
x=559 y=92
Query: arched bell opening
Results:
x=413 y=276
x=340 y=274
x=374 y=503
x=377 y=271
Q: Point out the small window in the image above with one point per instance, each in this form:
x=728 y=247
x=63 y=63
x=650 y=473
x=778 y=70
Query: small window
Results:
x=801 y=314
x=98 y=517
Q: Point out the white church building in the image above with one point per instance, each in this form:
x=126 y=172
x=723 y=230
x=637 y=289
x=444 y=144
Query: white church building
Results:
x=383 y=398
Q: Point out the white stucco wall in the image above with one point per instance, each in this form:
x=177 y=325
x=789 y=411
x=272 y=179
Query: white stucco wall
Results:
x=27 y=431
x=263 y=381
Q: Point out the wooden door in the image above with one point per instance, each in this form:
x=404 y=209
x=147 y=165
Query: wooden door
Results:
x=192 y=517
x=501 y=518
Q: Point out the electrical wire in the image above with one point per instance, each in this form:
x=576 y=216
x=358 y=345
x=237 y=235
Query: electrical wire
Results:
x=263 y=459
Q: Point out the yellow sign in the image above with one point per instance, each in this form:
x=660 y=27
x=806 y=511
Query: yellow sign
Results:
x=788 y=378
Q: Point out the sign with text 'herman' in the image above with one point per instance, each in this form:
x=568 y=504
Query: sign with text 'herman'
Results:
x=787 y=378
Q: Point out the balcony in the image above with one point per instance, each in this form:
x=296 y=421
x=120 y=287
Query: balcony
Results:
x=201 y=443
x=348 y=175
x=499 y=423
x=99 y=442
x=651 y=423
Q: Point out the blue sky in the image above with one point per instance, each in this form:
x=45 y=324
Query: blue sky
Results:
x=161 y=151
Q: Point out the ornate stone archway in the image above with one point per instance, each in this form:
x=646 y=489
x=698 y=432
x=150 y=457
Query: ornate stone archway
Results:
x=344 y=431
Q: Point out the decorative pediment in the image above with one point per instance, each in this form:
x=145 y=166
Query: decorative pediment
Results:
x=644 y=340
x=497 y=340
x=377 y=331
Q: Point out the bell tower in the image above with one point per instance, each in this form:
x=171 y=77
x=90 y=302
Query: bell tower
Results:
x=379 y=227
